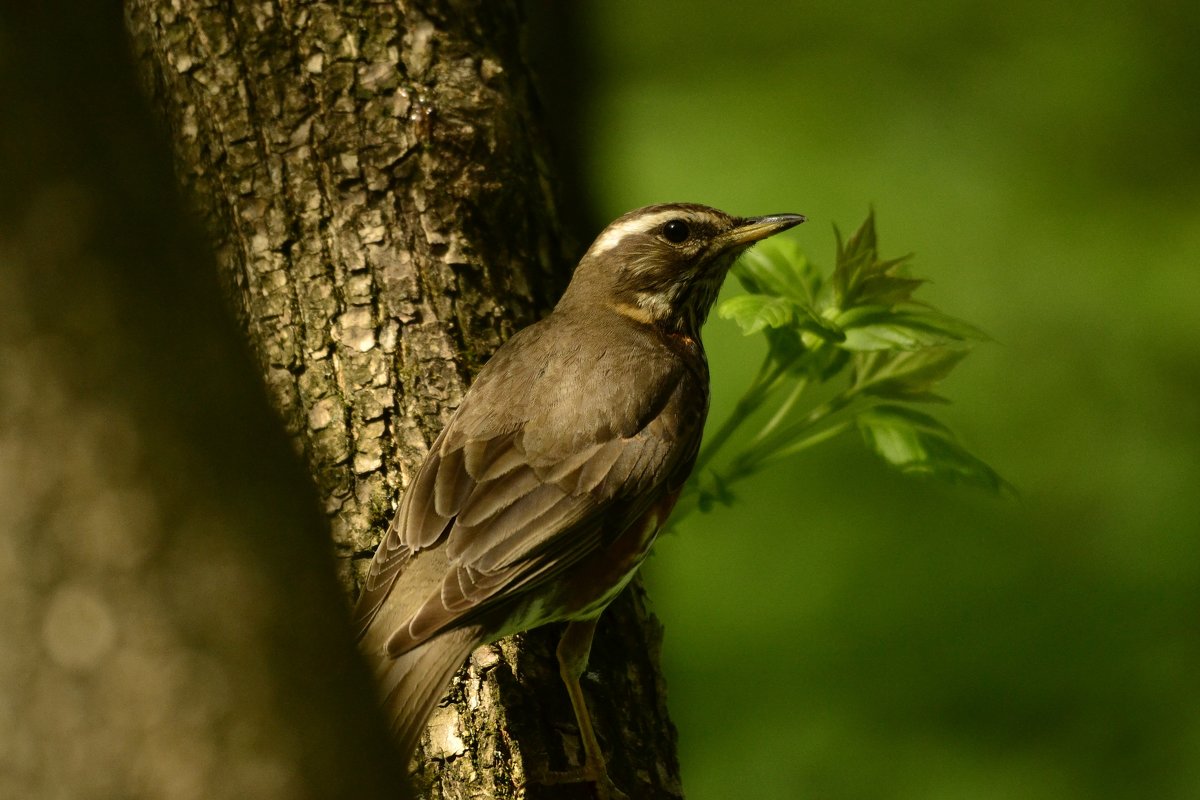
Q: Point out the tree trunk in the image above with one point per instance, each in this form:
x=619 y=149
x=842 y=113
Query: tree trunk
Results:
x=377 y=185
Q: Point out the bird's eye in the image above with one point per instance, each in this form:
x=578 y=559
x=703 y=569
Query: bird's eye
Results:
x=676 y=231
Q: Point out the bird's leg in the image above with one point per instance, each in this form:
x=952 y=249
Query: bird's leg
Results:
x=573 y=651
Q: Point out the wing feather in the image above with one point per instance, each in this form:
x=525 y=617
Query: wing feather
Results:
x=421 y=524
x=452 y=485
x=506 y=460
x=599 y=467
x=548 y=513
x=565 y=471
x=490 y=499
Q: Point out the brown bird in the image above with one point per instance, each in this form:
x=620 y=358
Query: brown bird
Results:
x=544 y=493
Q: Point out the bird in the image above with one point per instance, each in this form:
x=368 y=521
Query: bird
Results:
x=545 y=490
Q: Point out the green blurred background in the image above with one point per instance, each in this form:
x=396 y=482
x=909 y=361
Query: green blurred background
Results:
x=843 y=632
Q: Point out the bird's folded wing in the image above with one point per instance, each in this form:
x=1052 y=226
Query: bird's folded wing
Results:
x=493 y=520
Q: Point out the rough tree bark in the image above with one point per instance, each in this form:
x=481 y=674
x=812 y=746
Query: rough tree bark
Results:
x=377 y=184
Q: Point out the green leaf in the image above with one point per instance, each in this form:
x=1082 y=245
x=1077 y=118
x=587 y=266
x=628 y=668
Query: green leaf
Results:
x=902 y=375
x=917 y=444
x=861 y=278
x=886 y=288
x=777 y=267
x=753 y=312
x=905 y=328
x=854 y=255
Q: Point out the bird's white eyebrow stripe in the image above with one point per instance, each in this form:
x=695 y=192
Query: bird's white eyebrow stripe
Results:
x=639 y=224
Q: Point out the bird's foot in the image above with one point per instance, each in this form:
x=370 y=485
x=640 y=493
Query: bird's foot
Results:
x=597 y=775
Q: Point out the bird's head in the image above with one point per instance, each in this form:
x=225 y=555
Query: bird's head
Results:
x=663 y=265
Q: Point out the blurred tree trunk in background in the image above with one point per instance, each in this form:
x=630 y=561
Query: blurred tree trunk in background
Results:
x=169 y=624
x=376 y=181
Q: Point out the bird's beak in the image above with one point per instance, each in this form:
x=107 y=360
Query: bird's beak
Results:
x=752 y=229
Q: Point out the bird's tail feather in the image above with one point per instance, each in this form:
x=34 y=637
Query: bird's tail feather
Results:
x=413 y=682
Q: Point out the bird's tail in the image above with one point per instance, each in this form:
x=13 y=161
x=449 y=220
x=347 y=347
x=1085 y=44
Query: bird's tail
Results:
x=412 y=683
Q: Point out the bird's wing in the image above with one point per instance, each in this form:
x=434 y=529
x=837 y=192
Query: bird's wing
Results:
x=491 y=519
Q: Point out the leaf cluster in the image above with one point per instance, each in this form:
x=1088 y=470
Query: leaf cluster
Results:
x=859 y=329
